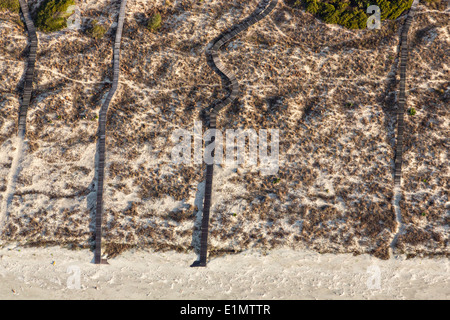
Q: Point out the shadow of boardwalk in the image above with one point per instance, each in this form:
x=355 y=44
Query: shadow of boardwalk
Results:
x=231 y=85
x=27 y=82
x=12 y=179
x=389 y=102
x=91 y=201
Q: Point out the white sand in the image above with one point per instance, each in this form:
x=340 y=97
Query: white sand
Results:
x=281 y=274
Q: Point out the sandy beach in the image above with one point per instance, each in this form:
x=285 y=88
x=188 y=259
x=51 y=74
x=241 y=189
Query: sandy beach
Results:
x=52 y=273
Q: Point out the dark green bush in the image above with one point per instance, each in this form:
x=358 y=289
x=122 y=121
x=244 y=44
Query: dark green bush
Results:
x=412 y=112
x=312 y=6
x=96 y=31
x=52 y=15
x=352 y=13
x=10 y=5
x=154 y=23
x=393 y=9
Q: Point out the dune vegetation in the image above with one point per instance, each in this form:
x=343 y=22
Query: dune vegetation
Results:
x=52 y=15
x=352 y=14
x=10 y=5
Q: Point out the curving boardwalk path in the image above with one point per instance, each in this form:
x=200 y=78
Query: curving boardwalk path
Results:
x=404 y=51
x=29 y=75
x=264 y=8
x=102 y=136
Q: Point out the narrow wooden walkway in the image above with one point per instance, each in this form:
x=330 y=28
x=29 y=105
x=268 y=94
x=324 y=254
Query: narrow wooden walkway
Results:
x=102 y=136
x=264 y=8
x=29 y=75
x=404 y=52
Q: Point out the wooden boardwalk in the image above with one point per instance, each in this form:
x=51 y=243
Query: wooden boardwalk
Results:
x=102 y=136
x=29 y=74
x=404 y=52
x=264 y=8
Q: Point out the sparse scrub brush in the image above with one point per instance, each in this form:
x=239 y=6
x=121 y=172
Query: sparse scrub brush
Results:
x=434 y=4
x=96 y=31
x=154 y=23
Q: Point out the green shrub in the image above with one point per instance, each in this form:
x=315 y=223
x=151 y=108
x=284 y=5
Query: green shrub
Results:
x=52 y=15
x=10 y=5
x=398 y=9
x=326 y=9
x=393 y=9
x=96 y=31
x=297 y=3
x=349 y=104
x=312 y=6
x=341 y=5
x=352 y=13
x=412 y=112
x=154 y=23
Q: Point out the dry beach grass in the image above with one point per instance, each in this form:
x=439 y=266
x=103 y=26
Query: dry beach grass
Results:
x=329 y=91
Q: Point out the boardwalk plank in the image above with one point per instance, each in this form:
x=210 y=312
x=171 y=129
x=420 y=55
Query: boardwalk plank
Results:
x=102 y=135
x=404 y=52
